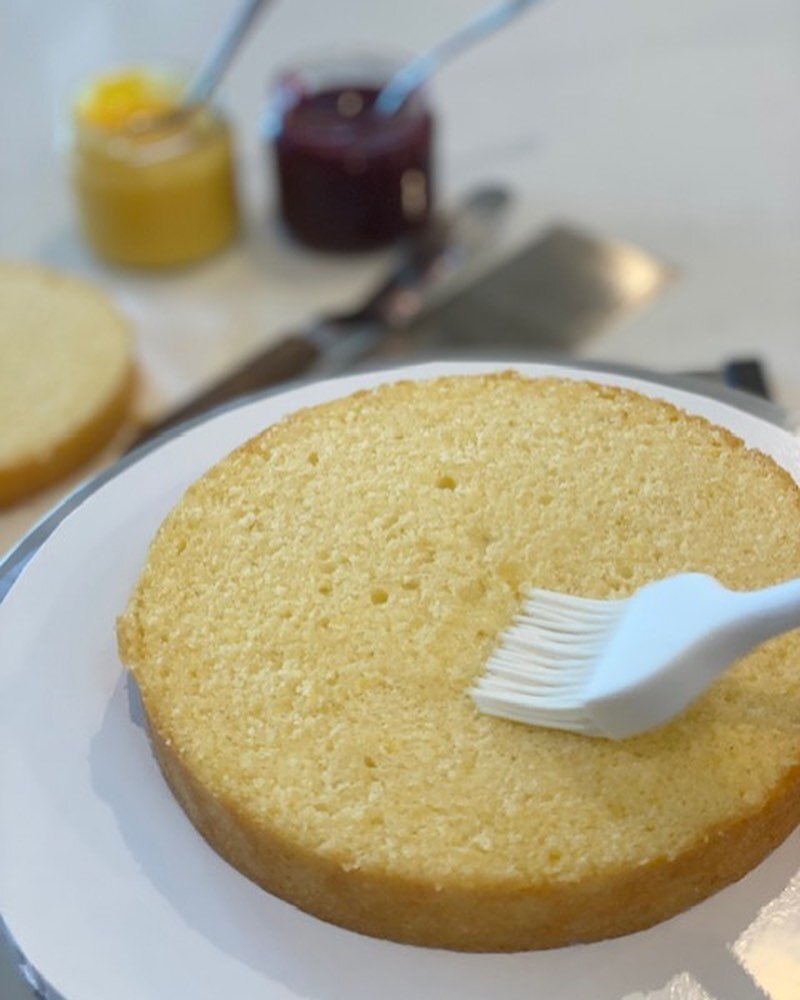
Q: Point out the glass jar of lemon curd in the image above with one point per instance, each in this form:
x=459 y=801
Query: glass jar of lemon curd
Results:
x=154 y=183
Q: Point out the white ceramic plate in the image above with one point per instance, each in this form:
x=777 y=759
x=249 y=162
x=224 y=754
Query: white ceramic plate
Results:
x=111 y=894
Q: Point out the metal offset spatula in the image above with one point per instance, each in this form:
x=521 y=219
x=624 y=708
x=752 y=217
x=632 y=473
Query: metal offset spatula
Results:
x=616 y=668
x=562 y=287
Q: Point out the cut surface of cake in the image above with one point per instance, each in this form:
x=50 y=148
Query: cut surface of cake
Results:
x=313 y=612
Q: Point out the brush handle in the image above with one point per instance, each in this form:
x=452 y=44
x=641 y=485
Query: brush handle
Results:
x=762 y=614
x=746 y=619
x=675 y=638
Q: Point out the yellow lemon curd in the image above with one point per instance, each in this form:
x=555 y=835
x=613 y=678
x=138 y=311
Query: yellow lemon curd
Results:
x=154 y=183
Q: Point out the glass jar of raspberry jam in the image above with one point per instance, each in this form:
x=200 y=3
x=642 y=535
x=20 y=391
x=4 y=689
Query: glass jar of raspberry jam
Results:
x=348 y=178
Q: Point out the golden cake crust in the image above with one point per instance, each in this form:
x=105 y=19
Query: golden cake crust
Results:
x=652 y=855
x=469 y=918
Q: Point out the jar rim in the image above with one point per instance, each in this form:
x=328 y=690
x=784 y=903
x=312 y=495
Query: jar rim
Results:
x=338 y=58
x=331 y=69
x=154 y=145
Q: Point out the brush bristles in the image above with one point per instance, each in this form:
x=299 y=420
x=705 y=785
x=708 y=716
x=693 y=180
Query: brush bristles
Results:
x=543 y=661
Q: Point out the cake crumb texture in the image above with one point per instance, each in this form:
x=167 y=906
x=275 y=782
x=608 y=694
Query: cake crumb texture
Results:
x=313 y=612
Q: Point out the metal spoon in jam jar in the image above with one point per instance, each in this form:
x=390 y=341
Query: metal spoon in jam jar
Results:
x=414 y=73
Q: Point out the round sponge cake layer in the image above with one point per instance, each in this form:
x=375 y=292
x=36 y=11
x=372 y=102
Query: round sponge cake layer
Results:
x=66 y=376
x=313 y=612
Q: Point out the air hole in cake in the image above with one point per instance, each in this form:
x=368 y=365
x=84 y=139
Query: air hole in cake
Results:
x=379 y=596
x=325 y=589
x=369 y=761
x=511 y=573
x=446 y=483
x=410 y=584
x=482 y=538
x=472 y=592
x=313 y=458
x=426 y=550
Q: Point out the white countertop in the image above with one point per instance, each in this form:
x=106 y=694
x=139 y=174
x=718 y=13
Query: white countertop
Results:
x=671 y=125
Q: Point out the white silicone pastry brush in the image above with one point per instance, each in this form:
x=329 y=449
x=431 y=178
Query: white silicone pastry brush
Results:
x=615 y=668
